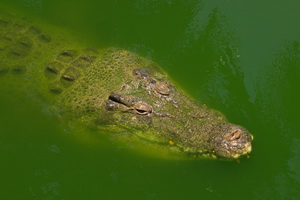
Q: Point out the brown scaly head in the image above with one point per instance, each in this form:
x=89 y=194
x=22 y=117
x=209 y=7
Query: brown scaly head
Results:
x=156 y=110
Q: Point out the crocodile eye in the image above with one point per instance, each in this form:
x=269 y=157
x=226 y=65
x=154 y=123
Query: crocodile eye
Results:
x=142 y=108
x=141 y=112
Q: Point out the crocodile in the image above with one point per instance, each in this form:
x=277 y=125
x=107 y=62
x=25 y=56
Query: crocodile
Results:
x=114 y=88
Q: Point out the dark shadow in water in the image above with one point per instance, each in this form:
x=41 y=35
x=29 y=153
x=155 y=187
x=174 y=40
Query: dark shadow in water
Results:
x=214 y=59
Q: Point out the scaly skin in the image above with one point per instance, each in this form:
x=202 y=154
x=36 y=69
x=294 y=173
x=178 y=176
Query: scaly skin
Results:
x=115 y=89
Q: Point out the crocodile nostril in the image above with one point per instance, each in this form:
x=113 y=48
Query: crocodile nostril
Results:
x=234 y=135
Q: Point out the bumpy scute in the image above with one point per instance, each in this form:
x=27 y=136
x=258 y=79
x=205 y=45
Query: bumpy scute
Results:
x=67 y=56
x=44 y=38
x=53 y=69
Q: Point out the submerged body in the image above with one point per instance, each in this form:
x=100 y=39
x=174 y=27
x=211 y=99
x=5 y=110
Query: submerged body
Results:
x=114 y=89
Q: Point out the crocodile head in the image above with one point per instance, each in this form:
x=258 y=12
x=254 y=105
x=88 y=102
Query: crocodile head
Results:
x=156 y=110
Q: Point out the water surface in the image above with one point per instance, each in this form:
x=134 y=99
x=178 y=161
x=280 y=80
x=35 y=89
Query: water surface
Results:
x=239 y=57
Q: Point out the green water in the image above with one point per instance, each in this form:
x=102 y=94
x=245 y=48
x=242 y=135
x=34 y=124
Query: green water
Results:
x=239 y=57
